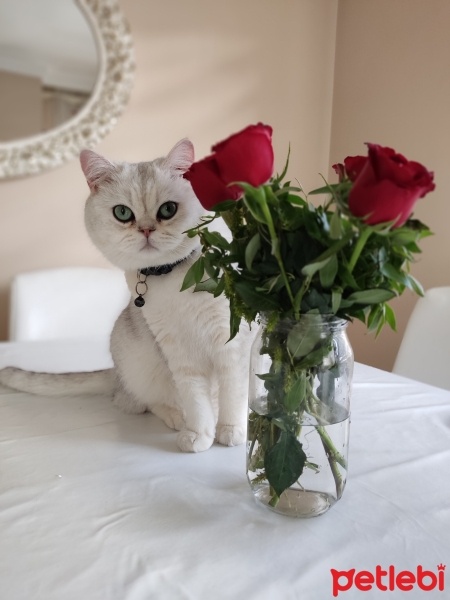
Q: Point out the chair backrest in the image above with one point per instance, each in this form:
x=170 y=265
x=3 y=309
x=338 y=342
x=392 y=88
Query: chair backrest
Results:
x=424 y=352
x=66 y=303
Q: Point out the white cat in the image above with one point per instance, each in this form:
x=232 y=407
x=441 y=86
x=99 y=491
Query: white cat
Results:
x=170 y=355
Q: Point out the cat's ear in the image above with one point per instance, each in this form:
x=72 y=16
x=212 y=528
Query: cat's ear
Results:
x=181 y=157
x=96 y=168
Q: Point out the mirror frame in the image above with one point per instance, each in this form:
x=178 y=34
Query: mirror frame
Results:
x=32 y=155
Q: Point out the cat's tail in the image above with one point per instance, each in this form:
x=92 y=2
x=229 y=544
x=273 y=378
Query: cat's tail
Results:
x=56 y=384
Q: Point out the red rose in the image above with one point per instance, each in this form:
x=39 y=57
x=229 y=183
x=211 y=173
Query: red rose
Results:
x=246 y=156
x=386 y=185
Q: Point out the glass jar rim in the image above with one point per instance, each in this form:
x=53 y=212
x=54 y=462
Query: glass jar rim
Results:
x=313 y=319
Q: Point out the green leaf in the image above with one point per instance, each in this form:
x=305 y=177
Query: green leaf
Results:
x=255 y=300
x=336 y=296
x=336 y=226
x=334 y=249
x=284 y=462
x=328 y=272
x=373 y=296
x=391 y=272
x=415 y=285
x=214 y=238
x=254 y=200
x=210 y=266
x=235 y=320
x=194 y=274
x=312 y=268
x=375 y=317
x=251 y=250
x=220 y=287
x=302 y=340
x=206 y=286
x=315 y=358
x=390 y=317
x=296 y=395
x=323 y=190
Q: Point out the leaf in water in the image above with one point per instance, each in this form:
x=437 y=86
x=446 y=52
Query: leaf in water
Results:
x=315 y=358
x=302 y=340
x=295 y=396
x=284 y=462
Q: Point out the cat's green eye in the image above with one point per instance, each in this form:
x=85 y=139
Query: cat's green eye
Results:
x=123 y=213
x=167 y=210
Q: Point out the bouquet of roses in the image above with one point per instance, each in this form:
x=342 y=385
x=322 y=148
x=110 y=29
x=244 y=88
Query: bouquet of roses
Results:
x=288 y=257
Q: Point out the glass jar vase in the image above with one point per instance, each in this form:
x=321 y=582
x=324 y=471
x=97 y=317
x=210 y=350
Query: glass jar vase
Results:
x=299 y=413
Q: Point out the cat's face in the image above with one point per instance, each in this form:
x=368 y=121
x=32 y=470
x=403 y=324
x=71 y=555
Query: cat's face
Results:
x=137 y=213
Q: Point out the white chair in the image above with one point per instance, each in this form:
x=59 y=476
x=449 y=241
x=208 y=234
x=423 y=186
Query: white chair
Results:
x=66 y=303
x=424 y=352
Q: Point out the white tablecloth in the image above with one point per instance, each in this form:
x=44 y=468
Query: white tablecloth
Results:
x=99 y=505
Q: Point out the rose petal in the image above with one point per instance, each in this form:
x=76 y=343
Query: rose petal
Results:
x=354 y=165
x=246 y=156
x=207 y=184
x=383 y=202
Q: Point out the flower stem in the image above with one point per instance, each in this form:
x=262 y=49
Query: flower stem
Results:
x=274 y=500
x=276 y=249
x=330 y=447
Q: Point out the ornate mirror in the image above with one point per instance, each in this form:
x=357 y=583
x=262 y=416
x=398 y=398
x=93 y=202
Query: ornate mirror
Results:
x=78 y=72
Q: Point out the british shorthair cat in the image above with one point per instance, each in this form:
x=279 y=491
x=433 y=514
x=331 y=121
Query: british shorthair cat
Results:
x=170 y=349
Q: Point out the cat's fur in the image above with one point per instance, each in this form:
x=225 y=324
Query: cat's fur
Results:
x=171 y=356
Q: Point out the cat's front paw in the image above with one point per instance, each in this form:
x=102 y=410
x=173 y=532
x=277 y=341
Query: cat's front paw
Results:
x=230 y=435
x=191 y=441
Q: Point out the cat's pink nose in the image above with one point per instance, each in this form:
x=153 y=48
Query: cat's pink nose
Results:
x=147 y=232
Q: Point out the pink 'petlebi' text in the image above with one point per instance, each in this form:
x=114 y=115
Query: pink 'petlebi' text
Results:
x=388 y=580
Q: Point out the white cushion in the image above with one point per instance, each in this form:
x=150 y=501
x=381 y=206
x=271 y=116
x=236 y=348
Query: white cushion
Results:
x=66 y=303
x=424 y=353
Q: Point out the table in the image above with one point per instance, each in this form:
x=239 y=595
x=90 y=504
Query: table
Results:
x=99 y=505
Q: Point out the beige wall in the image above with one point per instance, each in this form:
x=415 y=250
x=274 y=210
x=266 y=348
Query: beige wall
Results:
x=392 y=87
x=20 y=106
x=207 y=68
x=204 y=69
